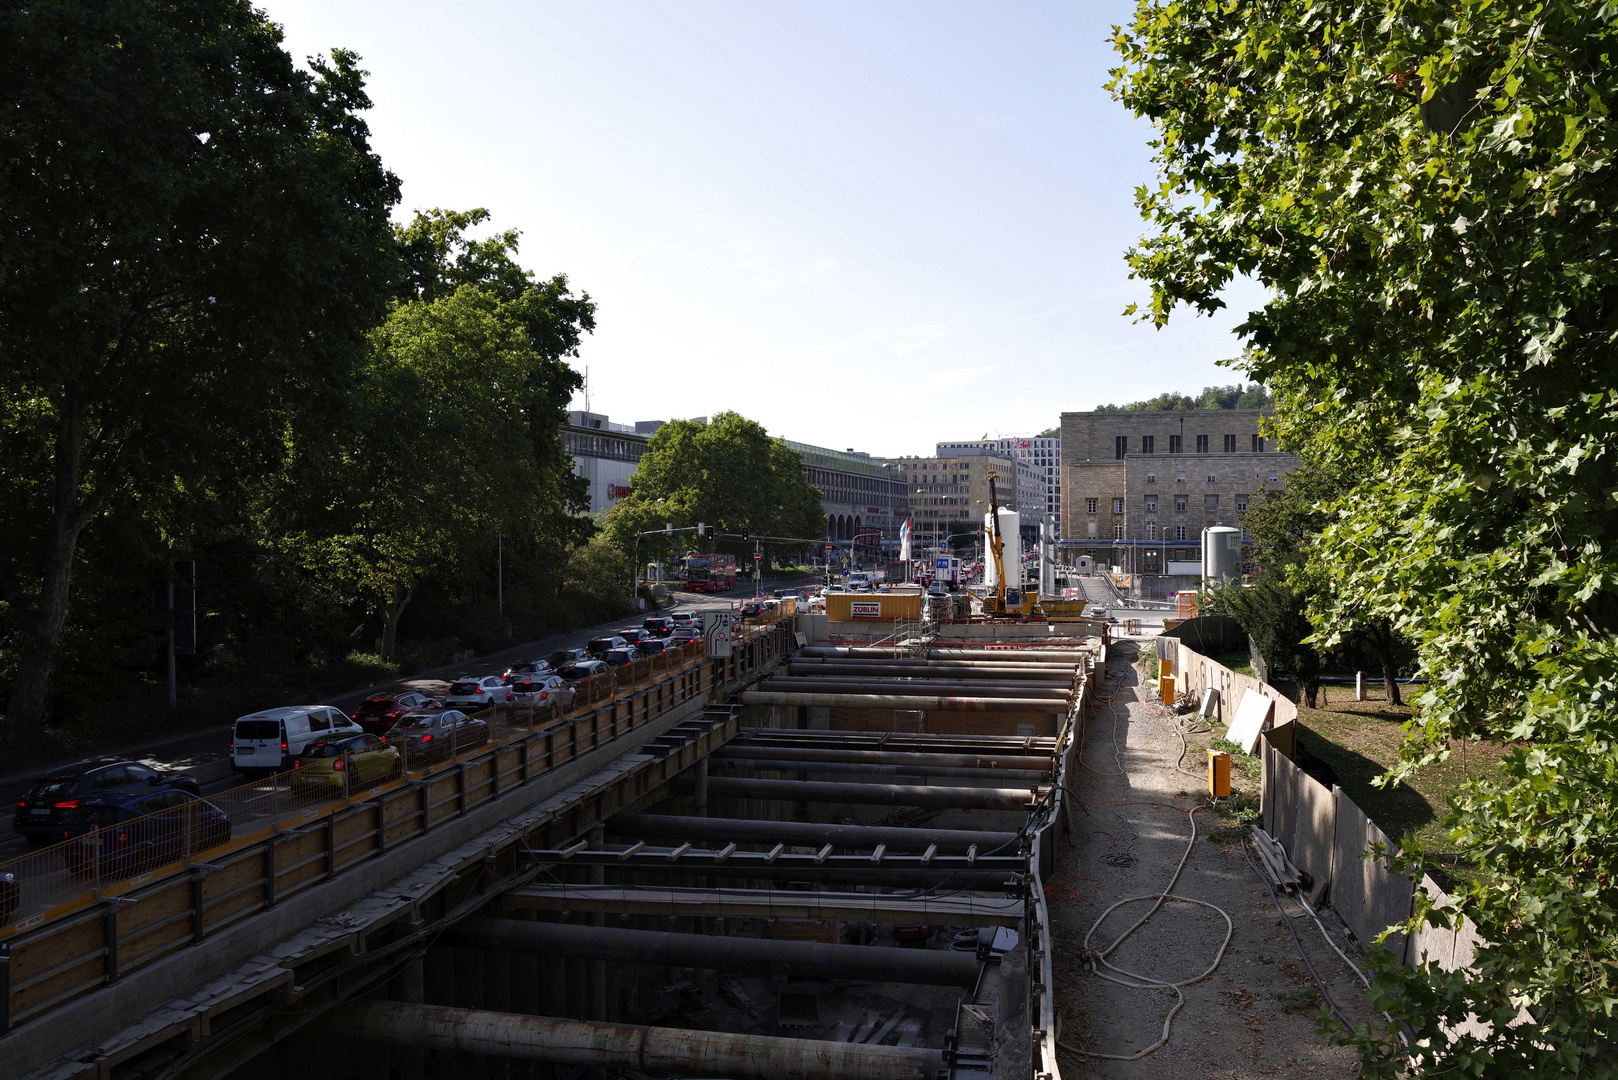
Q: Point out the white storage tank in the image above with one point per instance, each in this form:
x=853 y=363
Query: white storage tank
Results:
x=1011 y=549
x=1221 y=554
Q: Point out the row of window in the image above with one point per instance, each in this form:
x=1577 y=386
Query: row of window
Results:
x=1148 y=444
x=1213 y=478
x=1210 y=503
x=1170 y=533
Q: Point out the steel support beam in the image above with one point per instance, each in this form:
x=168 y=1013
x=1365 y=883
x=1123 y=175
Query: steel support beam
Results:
x=747 y=747
x=847 y=684
x=902 y=701
x=760 y=956
x=651 y=1050
x=899 y=768
x=1064 y=674
x=866 y=837
x=945 y=798
x=951 y=908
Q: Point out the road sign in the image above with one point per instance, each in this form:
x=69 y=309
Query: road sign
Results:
x=757 y=555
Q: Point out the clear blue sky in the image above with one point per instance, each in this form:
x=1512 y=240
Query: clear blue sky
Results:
x=868 y=224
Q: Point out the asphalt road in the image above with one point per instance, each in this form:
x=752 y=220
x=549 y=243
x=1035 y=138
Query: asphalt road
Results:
x=204 y=751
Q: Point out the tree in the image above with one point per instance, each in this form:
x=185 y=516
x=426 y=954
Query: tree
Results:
x=453 y=432
x=197 y=241
x=728 y=473
x=1235 y=396
x=1427 y=192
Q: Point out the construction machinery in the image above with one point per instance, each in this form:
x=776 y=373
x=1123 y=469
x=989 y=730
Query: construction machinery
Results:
x=999 y=600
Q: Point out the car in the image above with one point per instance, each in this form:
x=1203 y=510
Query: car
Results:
x=621 y=657
x=522 y=670
x=659 y=625
x=344 y=764
x=377 y=714
x=124 y=831
x=750 y=608
x=652 y=646
x=430 y=736
x=48 y=802
x=475 y=692
x=600 y=645
x=685 y=619
x=634 y=635
x=266 y=742
x=1098 y=613
x=544 y=690
x=563 y=657
x=582 y=669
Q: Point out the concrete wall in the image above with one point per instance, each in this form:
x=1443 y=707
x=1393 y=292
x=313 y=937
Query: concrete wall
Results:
x=1197 y=673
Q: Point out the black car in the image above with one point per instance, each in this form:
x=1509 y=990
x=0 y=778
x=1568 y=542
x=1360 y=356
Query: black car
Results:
x=430 y=736
x=661 y=625
x=123 y=831
x=561 y=658
x=652 y=646
x=599 y=647
x=43 y=811
x=582 y=669
x=620 y=657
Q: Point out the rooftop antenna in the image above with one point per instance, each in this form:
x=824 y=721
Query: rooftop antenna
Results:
x=587 y=388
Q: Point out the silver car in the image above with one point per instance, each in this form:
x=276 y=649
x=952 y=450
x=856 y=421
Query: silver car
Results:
x=543 y=690
x=476 y=692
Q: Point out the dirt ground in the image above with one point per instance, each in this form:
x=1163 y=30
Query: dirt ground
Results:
x=1253 y=1016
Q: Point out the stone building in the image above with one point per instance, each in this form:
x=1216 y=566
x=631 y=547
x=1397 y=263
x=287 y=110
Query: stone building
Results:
x=1141 y=486
x=950 y=493
x=1042 y=454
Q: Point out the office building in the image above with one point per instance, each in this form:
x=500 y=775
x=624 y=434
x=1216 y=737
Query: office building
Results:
x=1043 y=456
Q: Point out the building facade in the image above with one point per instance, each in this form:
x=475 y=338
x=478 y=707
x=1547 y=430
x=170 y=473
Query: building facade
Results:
x=1141 y=486
x=864 y=497
x=605 y=454
x=949 y=494
x=1043 y=456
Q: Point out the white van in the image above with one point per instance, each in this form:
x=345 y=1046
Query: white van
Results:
x=268 y=741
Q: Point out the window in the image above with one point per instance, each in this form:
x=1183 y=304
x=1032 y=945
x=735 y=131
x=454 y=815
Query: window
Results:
x=1090 y=505
x=1117 y=532
x=1202 y=444
x=1246 y=539
x=1230 y=444
x=1213 y=478
x=1179 y=504
x=1174 y=443
x=1258 y=444
x=1179 y=532
x=1151 y=530
x=1210 y=503
x=1179 y=478
x=1241 y=504
x=1147 y=443
x=1120 y=446
x=1117 y=506
x=1241 y=476
x=1275 y=478
x=1092 y=530
x=1151 y=504
x=1151 y=478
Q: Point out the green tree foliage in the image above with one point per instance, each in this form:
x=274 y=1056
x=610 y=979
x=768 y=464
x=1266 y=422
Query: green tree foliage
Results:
x=1427 y=191
x=728 y=473
x=197 y=241
x=1234 y=396
x=451 y=435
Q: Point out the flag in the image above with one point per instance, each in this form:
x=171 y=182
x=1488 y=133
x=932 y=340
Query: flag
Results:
x=904 y=541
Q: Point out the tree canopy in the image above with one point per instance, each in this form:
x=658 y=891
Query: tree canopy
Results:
x=727 y=472
x=1234 y=396
x=1427 y=192
x=198 y=242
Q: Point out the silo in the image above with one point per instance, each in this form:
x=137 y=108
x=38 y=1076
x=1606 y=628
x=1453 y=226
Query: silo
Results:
x=1010 y=523
x=1221 y=554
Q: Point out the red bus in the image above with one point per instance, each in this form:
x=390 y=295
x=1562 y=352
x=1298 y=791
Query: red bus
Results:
x=710 y=573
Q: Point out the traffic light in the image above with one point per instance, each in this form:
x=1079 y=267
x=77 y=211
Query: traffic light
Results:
x=747 y=535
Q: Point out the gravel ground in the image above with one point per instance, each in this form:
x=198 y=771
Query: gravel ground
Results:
x=1253 y=1016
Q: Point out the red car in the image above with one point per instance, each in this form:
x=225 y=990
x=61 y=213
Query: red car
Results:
x=377 y=715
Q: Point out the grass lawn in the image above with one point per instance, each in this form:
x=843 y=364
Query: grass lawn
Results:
x=1354 y=742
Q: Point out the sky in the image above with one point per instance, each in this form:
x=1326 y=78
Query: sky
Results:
x=868 y=225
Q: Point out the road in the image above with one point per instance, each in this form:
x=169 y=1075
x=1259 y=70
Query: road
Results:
x=203 y=751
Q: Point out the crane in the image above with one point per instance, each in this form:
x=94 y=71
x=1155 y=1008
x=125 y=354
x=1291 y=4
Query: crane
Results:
x=998 y=603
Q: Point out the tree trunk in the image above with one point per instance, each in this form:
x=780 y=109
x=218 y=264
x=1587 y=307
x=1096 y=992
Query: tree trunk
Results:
x=1384 y=652
x=392 y=611
x=1311 y=691
x=41 y=628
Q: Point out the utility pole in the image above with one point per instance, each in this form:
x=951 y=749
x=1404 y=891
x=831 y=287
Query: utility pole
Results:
x=500 y=572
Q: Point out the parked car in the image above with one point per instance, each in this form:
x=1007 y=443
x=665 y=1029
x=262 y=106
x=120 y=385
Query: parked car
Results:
x=431 y=736
x=377 y=714
x=545 y=690
x=621 y=657
x=598 y=646
x=268 y=741
x=563 y=657
x=122 y=831
x=339 y=764
x=685 y=619
x=659 y=625
x=50 y=800
x=582 y=669
x=524 y=669
x=634 y=635
x=475 y=692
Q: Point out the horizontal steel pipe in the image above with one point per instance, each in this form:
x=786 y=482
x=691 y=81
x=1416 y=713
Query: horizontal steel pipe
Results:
x=901 y=768
x=759 y=956
x=861 y=669
x=963 y=667
x=948 y=798
x=847 y=685
x=907 y=758
x=653 y=1050
x=902 y=701
x=680 y=827
x=1024 y=655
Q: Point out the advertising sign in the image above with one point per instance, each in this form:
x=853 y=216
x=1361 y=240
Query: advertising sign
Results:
x=865 y=609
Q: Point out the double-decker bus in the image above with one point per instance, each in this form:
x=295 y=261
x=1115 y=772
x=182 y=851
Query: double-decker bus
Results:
x=710 y=573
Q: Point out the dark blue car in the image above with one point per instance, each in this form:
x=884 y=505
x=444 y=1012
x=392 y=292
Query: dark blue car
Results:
x=44 y=809
x=129 y=832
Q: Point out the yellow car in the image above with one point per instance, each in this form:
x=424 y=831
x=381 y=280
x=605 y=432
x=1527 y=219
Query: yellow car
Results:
x=357 y=761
